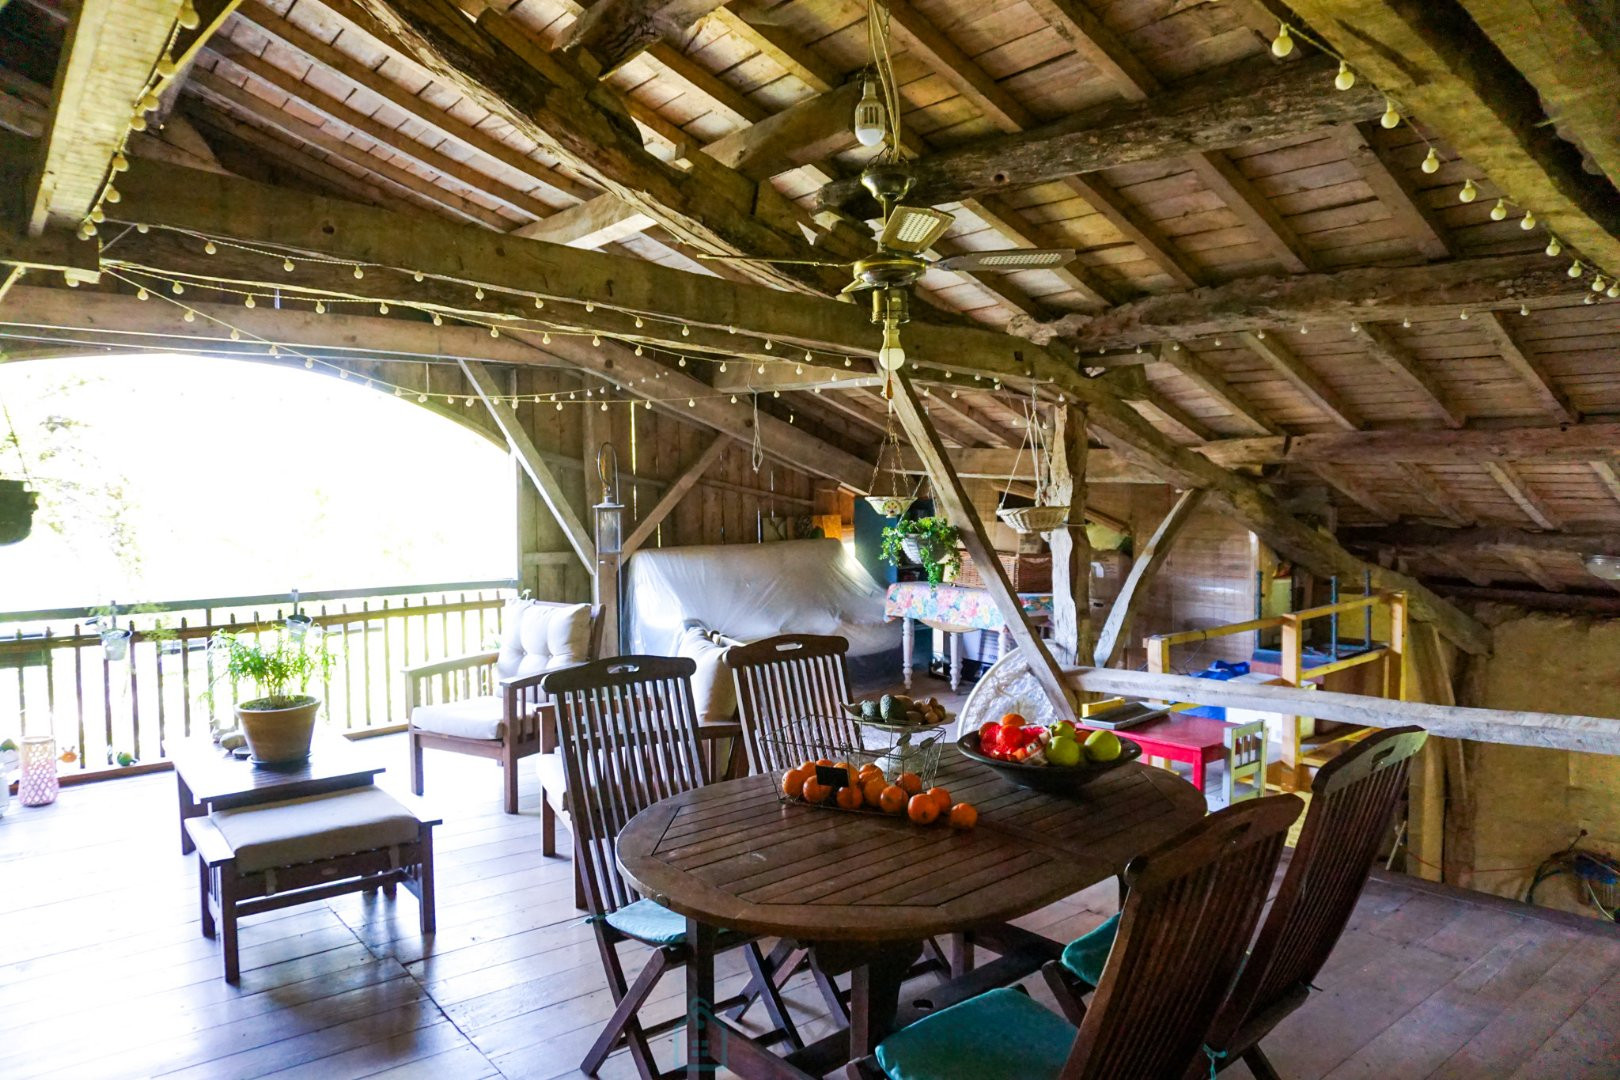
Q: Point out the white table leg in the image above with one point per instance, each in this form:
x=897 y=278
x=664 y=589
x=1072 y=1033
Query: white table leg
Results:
x=956 y=660
x=1006 y=641
x=908 y=642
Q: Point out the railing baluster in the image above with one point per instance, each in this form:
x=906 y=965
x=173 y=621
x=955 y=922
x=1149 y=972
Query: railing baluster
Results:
x=157 y=682
x=185 y=680
x=78 y=688
x=365 y=631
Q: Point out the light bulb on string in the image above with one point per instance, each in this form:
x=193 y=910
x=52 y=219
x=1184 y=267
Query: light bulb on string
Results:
x=539 y=303
x=1524 y=309
x=177 y=288
x=120 y=163
x=320 y=307
x=596 y=339
x=359 y=273
x=140 y=294
x=288 y=265
x=1463 y=315
x=137 y=122
x=559 y=406
x=1598 y=283
x=1575 y=269
x=545 y=338
x=1407 y=323
x=469 y=401
x=639 y=323
x=1527 y=222
x=1391 y=117
x=1282 y=44
x=734 y=399
x=1589 y=299
x=417 y=276
x=494 y=331
x=722 y=365
x=847 y=361
x=438 y=320
x=686 y=331
x=111 y=194
x=1469 y=192
x=1345 y=79
x=236 y=335
x=871 y=116
x=1261 y=334
x=275 y=350
x=210 y=249
x=1612 y=291
x=1355 y=328
x=638 y=348
x=604 y=406
x=691 y=403
x=478 y=293
x=776 y=393
x=681 y=361
x=767 y=344
x=1431 y=162
x=98 y=215
x=1499 y=211
x=1554 y=248
x=382 y=309
x=149 y=102
x=761 y=369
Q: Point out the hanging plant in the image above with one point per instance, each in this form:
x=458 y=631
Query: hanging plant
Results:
x=928 y=541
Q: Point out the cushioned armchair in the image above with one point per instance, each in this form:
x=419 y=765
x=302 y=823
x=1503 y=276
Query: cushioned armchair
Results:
x=490 y=703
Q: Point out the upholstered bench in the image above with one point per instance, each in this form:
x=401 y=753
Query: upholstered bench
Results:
x=276 y=855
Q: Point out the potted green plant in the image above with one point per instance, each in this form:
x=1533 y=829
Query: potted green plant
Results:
x=929 y=541
x=280 y=721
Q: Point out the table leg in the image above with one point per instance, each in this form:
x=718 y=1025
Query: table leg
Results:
x=908 y=642
x=956 y=660
x=874 y=991
x=1197 y=764
x=702 y=1027
x=1006 y=641
x=188 y=809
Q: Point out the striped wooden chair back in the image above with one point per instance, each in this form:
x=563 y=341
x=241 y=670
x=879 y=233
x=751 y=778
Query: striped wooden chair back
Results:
x=627 y=733
x=1352 y=801
x=1194 y=901
x=1245 y=762
x=791 y=689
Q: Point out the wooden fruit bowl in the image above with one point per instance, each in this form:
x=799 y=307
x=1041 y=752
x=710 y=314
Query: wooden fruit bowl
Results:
x=1051 y=779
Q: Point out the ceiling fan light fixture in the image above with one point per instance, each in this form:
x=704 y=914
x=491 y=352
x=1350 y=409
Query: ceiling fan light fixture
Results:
x=892 y=357
x=871 y=118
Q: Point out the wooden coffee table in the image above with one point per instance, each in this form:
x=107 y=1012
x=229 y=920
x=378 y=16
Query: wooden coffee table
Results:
x=209 y=778
x=864 y=890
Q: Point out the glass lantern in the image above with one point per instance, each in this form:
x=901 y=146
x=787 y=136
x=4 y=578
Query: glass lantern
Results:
x=609 y=512
x=37 y=786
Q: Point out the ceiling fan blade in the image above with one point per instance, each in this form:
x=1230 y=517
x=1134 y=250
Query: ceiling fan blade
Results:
x=853 y=287
x=1008 y=260
x=776 y=262
x=914 y=228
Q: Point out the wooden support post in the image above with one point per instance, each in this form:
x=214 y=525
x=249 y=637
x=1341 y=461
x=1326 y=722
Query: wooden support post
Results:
x=953 y=498
x=1291 y=773
x=676 y=492
x=1143 y=570
x=1426 y=805
x=529 y=457
x=1071 y=550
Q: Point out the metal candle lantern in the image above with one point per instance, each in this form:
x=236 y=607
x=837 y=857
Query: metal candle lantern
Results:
x=37 y=784
x=609 y=545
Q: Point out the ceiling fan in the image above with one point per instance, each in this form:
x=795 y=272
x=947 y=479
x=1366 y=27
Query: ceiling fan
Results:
x=907 y=232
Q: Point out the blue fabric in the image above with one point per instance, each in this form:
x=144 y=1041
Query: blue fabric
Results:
x=1001 y=1035
x=648 y=921
x=1086 y=955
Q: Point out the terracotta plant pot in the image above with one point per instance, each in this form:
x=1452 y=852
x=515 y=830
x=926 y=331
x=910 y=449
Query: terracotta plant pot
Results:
x=278 y=736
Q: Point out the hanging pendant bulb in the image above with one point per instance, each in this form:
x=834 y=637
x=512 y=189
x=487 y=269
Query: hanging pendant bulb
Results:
x=1469 y=192
x=891 y=357
x=871 y=118
x=1575 y=268
x=1527 y=222
x=1431 y=162
x=1598 y=283
x=1392 y=115
x=320 y=307
x=1613 y=290
x=1499 y=211
x=140 y=294
x=1345 y=79
x=1524 y=309
x=288 y=265
x=1282 y=44
x=250 y=302
x=1554 y=248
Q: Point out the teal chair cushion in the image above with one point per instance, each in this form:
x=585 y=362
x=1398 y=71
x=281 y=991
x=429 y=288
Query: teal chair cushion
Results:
x=1001 y=1035
x=1087 y=954
x=648 y=921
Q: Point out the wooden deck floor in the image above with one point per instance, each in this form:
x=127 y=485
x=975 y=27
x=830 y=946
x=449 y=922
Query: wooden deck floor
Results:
x=103 y=972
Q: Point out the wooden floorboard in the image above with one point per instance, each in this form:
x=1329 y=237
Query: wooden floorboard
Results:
x=105 y=974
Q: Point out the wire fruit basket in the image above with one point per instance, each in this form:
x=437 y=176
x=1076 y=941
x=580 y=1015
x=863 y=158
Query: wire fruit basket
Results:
x=838 y=749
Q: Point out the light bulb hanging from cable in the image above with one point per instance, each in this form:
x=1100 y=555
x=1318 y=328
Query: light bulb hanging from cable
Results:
x=871 y=118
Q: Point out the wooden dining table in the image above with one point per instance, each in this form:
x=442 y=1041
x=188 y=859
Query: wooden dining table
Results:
x=863 y=890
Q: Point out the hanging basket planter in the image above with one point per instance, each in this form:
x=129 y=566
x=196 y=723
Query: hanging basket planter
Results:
x=115 y=643
x=890 y=506
x=1034 y=519
x=17 y=506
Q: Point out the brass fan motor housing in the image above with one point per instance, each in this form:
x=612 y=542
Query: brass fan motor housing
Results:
x=891 y=306
x=887 y=270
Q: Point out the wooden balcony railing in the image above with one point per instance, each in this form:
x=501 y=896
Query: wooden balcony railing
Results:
x=56 y=679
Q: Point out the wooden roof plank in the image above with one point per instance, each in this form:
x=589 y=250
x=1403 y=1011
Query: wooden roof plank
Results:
x=1513 y=484
x=1528 y=368
x=1395 y=359
x=1282 y=360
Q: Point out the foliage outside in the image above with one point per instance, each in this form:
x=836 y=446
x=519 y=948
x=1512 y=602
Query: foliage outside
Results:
x=937 y=539
x=280 y=672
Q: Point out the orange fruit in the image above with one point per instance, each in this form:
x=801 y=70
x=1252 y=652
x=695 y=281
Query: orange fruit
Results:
x=849 y=798
x=910 y=781
x=849 y=771
x=793 y=782
x=940 y=797
x=872 y=790
x=964 y=815
x=1012 y=719
x=816 y=792
x=823 y=761
x=868 y=771
x=892 y=799
x=922 y=809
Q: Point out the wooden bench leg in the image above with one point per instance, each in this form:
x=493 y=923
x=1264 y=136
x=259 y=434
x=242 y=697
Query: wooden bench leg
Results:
x=416 y=763
x=548 y=827
x=227 y=921
x=204 y=891
x=424 y=882
x=509 y=770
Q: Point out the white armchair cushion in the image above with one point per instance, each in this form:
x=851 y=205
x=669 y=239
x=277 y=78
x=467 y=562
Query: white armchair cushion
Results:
x=714 y=695
x=468 y=718
x=553 y=787
x=543 y=637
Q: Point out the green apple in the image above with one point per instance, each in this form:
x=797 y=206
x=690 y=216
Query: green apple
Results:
x=1102 y=746
x=1062 y=730
x=1063 y=750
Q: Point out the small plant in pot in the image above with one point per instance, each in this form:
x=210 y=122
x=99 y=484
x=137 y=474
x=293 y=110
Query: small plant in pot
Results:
x=280 y=721
x=929 y=541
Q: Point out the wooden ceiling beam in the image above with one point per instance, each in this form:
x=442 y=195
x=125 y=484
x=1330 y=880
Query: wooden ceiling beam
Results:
x=1218 y=113
x=436 y=121
x=1509 y=480
x=1396 y=193
x=1356 y=491
x=1608 y=477
x=1460 y=77
x=1282 y=360
x=1595 y=539
x=1393 y=358
x=1530 y=566
x=225 y=206
x=1436 y=494
x=1365 y=294
x=1427 y=446
x=611 y=33
x=1212 y=383
x=1469 y=571
x=1530 y=370
x=602 y=220
x=792 y=56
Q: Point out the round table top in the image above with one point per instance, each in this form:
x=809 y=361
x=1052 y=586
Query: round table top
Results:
x=732 y=855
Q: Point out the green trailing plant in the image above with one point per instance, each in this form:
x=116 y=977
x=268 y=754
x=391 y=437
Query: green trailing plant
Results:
x=280 y=672
x=936 y=538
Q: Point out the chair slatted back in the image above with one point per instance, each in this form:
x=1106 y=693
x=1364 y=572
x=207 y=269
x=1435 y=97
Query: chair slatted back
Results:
x=627 y=733
x=1193 y=903
x=1245 y=761
x=1352 y=801
x=793 y=688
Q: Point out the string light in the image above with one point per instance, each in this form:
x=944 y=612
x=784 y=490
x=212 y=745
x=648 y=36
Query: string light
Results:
x=1554 y=248
x=734 y=399
x=539 y=303
x=210 y=249
x=358 y=273
x=691 y=403
x=639 y=323
x=682 y=361
x=320 y=307
x=1407 y=322
x=1575 y=269
x=722 y=365
x=120 y=163
x=1524 y=309
x=545 y=339
x=1613 y=290
x=1527 y=222
x=250 y=302
x=188 y=18
x=1469 y=192
x=1345 y=79
x=767 y=344
x=686 y=331
x=111 y=194
x=98 y=216
x=438 y=320
x=762 y=369
x=1598 y=283
x=638 y=348
x=478 y=293
x=1499 y=211
x=1431 y=163
x=236 y=335
x=177 y=288
x=417 y=276
x=1391 y=117
x=1463 y=315
x=495 y=331
x=189 y=316
x=288 y=265
x=140 y=294
x=596 y=339
x=1282 y=44
x=382 y=308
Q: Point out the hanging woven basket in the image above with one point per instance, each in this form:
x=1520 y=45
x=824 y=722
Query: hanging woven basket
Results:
x=17 y=506
x=1034 y=519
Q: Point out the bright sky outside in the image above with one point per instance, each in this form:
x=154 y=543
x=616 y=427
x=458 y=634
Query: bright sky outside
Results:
x=178 y=477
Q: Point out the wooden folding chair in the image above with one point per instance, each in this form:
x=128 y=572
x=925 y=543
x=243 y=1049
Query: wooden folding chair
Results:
x=1245 y=762
x=1193 y=903
x=785 y=684
x=627 y=733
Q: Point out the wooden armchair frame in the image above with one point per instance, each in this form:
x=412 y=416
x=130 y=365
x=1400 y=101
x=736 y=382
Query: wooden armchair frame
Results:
x=526 y=717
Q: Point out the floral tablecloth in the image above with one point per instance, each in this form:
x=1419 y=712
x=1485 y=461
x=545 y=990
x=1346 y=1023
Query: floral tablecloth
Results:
x=956 y=606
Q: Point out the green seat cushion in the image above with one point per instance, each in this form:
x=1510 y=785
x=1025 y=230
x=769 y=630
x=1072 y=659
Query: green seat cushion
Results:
x=648 y=921
x=1001 y=1035
x=1086 y=955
